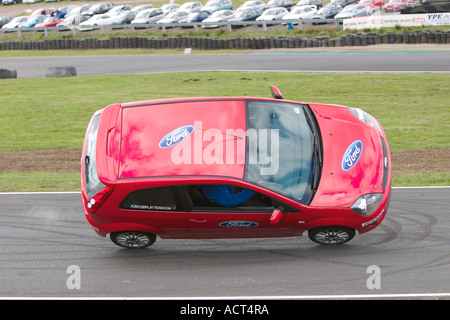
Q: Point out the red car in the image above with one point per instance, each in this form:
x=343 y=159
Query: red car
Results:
x=49 y=22
x=372 y=3
x=231 y=167
x=397 y=5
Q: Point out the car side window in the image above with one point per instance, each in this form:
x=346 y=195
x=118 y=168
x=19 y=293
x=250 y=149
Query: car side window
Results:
x=153 y=199
x=224 y=197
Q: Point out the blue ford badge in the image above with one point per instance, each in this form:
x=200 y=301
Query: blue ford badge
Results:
x=176 y=136
x=238 y=224
x=352 y=155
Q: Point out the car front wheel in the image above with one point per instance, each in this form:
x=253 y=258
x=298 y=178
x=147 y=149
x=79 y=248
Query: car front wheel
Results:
x=331 y=235
x=133 y=239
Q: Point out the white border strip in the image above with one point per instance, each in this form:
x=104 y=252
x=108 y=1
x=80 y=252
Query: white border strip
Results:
x=306 y=297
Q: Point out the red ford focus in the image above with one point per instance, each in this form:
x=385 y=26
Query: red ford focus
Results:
x=233 y=167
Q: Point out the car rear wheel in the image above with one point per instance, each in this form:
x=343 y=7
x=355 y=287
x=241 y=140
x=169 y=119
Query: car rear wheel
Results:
x=133 y=239
x=331 y=235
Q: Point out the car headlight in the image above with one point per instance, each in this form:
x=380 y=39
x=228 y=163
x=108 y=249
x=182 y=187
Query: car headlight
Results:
x=367 y=204
x=365 y=117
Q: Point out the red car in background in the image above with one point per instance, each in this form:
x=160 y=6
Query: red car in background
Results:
x=233 y=167
x=49 y=22
x=397 y=5
x=372 y=3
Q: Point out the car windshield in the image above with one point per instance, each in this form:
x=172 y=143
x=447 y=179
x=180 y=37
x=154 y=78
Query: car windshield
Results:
x=283 y=149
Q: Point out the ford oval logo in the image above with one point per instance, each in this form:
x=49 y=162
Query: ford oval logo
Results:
x=176 y=136
x=352 y=155
x=238 y=224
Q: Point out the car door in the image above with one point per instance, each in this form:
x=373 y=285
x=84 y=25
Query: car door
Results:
x=157 y=207
x=251 y=218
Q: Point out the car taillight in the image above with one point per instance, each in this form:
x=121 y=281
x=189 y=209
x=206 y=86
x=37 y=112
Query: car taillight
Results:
x=97 y=200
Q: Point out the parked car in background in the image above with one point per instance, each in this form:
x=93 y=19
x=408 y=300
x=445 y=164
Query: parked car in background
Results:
x=317 y=3
x=72 y=21
x=9 y=2
x=397 y=5
x=273 y=14
x=173 y=17
x=327 y=12
x=300 y=12
x=191 y=7
x=245 y=15
x=93 y=22
x=215 y=5
x=15 y=22
x=193 y=17
x=354 y=10
x=32 y=21
x=342 y=3
x=148 y=16
x=252 y=4
x=118 y=10
x=5 y=20
x=122 y=18
x=82 y=9
x=280 y=3
x=169 y=7
x=217 y=16
x=142 y=7
x=49 y=22
x=100 y=8
x=372 y=3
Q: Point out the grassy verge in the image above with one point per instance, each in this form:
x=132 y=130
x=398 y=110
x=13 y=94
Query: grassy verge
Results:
x=412 y=108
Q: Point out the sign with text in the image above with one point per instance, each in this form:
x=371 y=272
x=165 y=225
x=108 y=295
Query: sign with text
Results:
x=403 y=20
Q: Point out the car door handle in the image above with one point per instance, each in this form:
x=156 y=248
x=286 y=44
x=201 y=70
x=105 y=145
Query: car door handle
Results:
x=198 y=220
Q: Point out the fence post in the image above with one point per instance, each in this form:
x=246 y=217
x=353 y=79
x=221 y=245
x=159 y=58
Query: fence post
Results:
x=264 y=26
x=300 y=24
x=45 y=32
x=229 y=27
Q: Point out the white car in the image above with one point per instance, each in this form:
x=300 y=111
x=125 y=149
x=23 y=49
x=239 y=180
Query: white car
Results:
x=252 y=4
x=301 y=12
x=169 y=7
x=30 y=1
x=72 y=21
x=173 y=17
x=217 y=16
x=94 y=21
x=15 y=22
x=273 y=14
x=354 y=10
x=191 y=7
x=148 y=16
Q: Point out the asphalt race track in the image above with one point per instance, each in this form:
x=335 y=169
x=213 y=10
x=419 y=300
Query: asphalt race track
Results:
x=47 y=248
x=45 y=235
x=296 y=61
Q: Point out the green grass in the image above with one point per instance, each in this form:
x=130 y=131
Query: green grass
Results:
x=54 y=112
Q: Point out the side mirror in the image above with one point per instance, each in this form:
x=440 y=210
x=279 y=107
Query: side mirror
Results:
x=276 y=216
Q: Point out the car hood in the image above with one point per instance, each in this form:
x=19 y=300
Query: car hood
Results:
x=353 y=161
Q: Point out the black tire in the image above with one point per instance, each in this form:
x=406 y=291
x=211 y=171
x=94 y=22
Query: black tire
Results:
x=61 y=72
x=133 y=239
x=331 y=235
x=8 y=74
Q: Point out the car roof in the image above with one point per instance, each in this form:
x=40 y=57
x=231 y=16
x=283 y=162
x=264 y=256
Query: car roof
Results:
x=203 y=129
